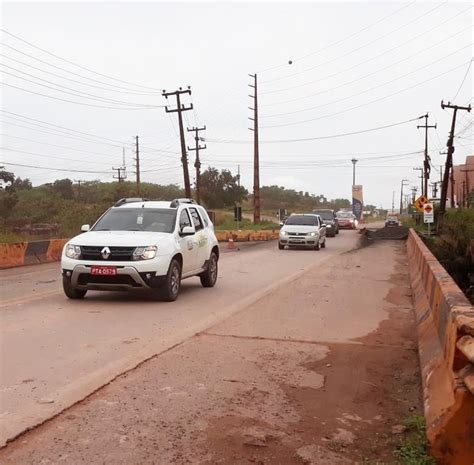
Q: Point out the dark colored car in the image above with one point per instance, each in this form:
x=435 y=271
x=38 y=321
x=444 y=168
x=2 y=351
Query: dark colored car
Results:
x=330 y=220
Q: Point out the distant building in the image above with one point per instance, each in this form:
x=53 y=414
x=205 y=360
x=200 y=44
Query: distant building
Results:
x=463 y=184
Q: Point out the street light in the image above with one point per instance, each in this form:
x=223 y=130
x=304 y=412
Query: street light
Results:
x=354 y=161
x=404 y=183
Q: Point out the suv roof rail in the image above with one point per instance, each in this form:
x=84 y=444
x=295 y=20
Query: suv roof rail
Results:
x=174 y=203
x=130 y=200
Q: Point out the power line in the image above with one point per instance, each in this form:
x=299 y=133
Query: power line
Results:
x=71 y=101
x=74 y=80
x=382 y=54
x=53 y=169
x=358 y=48
x=443 y=41
x=462 y=82
x=367 y=103
x=74 y=92
x=76 y=64
x=350 y=36
x=275 y=115
x=316 y=138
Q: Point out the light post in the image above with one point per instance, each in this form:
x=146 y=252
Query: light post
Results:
x=354 y=161
x=404 y=182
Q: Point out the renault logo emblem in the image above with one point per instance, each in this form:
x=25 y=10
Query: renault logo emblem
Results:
x=105 y=252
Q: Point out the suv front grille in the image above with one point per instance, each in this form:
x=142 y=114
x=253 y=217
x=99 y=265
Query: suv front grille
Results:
x=118 y=254
x=121 y=279
x=297 y=234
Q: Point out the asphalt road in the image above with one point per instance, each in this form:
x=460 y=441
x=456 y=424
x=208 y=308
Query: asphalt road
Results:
x=55 y=352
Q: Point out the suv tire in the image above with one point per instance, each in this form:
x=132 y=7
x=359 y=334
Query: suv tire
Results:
x=170 y=289
x=209 y=277
x=280 y=246
x=71 y=291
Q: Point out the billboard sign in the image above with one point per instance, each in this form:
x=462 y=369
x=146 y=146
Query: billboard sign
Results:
x=357 y=201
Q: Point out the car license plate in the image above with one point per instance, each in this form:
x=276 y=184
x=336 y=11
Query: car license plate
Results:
x=104 y=270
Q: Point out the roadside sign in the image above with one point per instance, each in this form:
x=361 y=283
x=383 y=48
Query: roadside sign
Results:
x=419 y=202
x=428 y=213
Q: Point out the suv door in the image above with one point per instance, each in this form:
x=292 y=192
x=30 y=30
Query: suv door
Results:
x=202 y=237
x=187 y=243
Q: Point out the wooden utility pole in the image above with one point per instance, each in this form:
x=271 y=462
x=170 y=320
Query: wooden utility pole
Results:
x=449 y=161
x=197 y=162
x=179 y=109
x=404 y=182
x=79 y=182
x=121 y=175
x=426 y=162
x=137 y=164
x=256 y=161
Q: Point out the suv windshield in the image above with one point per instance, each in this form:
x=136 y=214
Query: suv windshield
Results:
x=302 y=220
x=324 y=214
x=138 y=219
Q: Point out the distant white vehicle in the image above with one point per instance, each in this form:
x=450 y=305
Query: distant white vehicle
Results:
x=142 y=244
x=303 y=231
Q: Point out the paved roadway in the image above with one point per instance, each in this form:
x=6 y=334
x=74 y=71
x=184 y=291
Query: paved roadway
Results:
x=54 y=352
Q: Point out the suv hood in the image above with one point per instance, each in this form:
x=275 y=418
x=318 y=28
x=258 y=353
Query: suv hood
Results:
x=120 y=238
x=299 y=228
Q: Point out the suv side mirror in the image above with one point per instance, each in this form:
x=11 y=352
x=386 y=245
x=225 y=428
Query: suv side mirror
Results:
x=187 y=231
x=85 y=228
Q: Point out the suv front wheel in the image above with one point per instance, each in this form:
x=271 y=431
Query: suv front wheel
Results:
x=170 y=289
x=209 y=277
x=71 y=291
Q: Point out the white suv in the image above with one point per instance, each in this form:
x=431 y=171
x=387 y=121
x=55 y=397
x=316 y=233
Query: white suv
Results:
x=142 y=244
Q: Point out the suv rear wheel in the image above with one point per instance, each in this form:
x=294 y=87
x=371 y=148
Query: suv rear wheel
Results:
x=170 y=289
x=71 y=291
x=209 y=277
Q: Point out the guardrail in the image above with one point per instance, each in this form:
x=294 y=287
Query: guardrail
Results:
x=35 y=252
x=30 y=253
x=445 y=325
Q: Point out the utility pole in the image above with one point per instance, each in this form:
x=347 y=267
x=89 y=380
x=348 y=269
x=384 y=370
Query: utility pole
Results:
x=256 y=161
x=413 y=194
x=404 y=182
x=468 y=187
x=354 y=161
x=426 y=162
x=79 y=182
x=393 y=201
x=421 y=177
x=238 y=176
x=449 y=160
x=435 y=188
x=179 y=109
x=197 y=162
x=121 y=175
x=137 y=164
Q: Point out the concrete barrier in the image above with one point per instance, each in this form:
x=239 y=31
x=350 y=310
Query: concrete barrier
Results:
x=30 y=253
x=445 y=325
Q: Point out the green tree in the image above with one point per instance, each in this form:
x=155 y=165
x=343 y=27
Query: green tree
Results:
x=63 y=188
x=220 y=189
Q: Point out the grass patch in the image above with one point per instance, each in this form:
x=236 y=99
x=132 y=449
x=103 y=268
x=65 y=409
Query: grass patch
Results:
x=413 y=449
x=229 y=224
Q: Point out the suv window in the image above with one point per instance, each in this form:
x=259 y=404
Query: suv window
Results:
x=196 y=219
x=204 y=216
x=184 y=220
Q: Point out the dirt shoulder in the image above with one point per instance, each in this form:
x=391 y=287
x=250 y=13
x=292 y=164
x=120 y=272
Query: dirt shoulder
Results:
x=318 y=372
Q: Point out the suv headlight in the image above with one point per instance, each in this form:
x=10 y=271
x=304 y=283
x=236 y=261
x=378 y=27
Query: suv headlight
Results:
x=145 y=253
x=73 y=251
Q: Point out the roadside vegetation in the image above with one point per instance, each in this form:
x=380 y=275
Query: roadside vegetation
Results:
x=59 y=208
x=413 y=449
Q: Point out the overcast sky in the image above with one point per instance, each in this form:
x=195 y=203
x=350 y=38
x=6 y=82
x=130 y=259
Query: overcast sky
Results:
x=355 y=66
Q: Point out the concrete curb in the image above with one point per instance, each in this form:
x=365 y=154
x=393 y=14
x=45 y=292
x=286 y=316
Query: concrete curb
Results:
x=445 y=325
